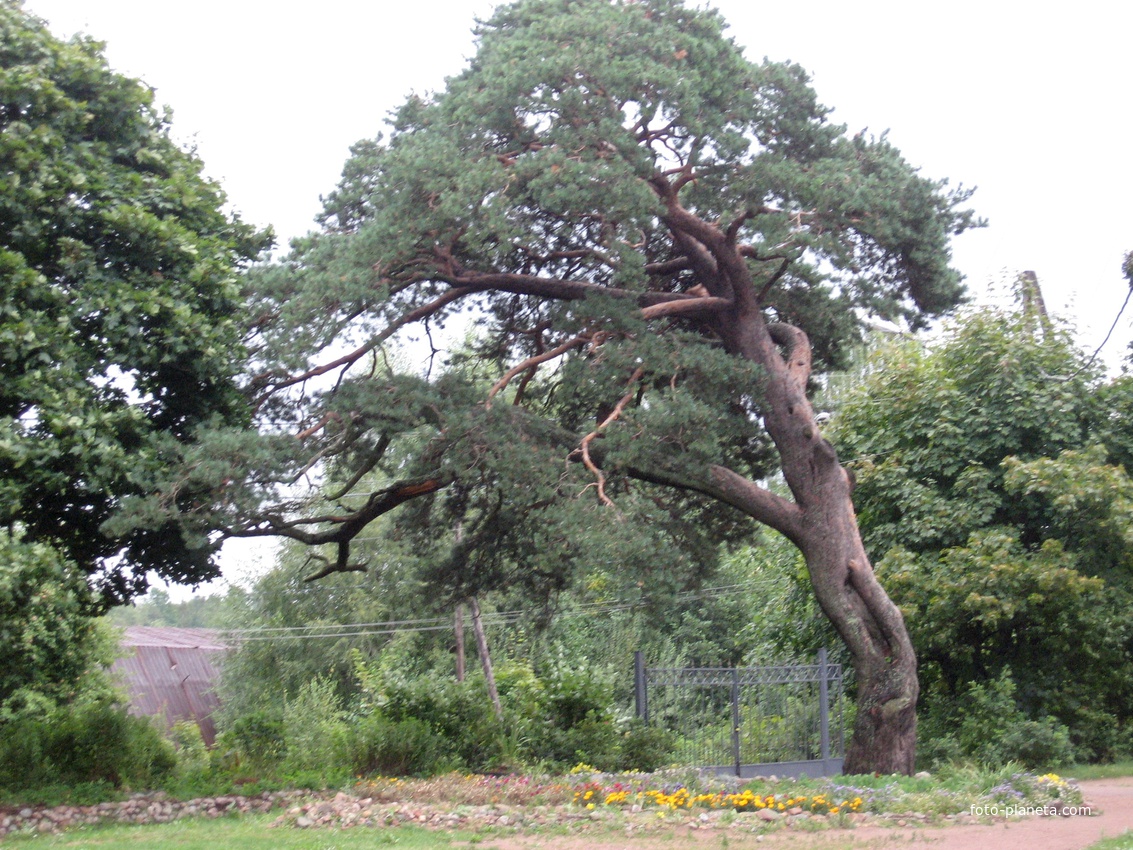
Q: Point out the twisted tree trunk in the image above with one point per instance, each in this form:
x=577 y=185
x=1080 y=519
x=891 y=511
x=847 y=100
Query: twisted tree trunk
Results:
x=820 y=519
x=824 y=527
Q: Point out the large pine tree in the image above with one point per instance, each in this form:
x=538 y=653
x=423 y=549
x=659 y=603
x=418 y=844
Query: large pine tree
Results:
x=656 y=237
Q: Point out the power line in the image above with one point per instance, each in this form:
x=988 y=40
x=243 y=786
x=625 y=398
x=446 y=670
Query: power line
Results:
x=498 y=618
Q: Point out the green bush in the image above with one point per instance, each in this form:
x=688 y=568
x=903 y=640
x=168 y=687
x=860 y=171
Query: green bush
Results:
x=86 y=743
x=192 y=753
x=987 y=726
x=315 y=730
x=408 y=747
x=645 y=748
x=1095 y=734
x=460 y=712
x=254 y=740
x=593 y=740
x=576 y=693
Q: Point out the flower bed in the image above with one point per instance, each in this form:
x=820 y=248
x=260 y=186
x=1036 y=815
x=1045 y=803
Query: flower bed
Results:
x=593 y=794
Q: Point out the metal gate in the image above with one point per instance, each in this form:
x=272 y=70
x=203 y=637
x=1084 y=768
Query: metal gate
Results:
x=748 y=721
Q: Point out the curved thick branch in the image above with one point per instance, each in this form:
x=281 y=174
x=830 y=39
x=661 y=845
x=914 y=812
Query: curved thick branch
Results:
x=700 y=259
x=344 y=527
x=730 y=487
x=784 y=264
x=717 y=482
x=676 y=264
x=686 y=308
x=654 y=304
x=549 y=287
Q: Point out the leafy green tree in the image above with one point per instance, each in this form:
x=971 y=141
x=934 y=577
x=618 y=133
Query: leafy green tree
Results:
x=656 y=237
x=197 y=612
x=982 y=471
x=119 y=299
x=52 y=649
x=1117 y=401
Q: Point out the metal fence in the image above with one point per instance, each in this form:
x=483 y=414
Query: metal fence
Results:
x=748 y=721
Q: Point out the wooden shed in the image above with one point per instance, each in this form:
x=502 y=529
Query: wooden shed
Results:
x=172 y=673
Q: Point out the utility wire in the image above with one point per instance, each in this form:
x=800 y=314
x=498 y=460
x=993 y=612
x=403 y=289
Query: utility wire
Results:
x=388 y=627
x=1112 y=327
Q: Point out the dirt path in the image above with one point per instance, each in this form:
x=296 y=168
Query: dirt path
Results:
x=1112 y=797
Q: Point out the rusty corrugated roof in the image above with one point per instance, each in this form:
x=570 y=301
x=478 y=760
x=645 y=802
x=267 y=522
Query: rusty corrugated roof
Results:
x=209 y=639
x=173 y=673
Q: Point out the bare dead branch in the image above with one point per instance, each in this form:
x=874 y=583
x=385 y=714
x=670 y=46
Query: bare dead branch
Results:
x=589 y=438
x=533 y=361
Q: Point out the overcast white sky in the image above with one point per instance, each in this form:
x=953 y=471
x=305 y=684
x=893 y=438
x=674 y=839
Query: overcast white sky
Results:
x=1028 y=102
x=1031 y=103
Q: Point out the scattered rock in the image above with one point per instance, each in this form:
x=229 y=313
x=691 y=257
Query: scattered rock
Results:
x=141 y=808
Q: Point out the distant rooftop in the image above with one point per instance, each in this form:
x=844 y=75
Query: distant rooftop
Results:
x=172 y=673
x=169 y=636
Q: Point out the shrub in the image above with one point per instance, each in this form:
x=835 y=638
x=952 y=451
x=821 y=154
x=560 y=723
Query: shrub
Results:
x=192 y=753
x=576 y=693
x=460 y=712
x=315 y=730
x=85 y=743
x=986 y=725
x=256 y=740
x=592 y=740
x=408 y=747
x=645 y=748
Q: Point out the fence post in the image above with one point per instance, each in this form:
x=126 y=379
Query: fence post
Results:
x=736 y=718
x=823 y=704
x=640 y=695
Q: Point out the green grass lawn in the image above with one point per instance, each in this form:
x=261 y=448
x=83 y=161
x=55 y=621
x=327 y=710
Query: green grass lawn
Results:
x=1120 y=842
x=247 y=833
x=1099 y=771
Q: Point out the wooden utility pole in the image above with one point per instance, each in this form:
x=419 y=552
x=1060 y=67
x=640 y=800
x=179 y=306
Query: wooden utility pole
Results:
x=1034 y=308
x=458 y=627
x=485 y=657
